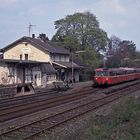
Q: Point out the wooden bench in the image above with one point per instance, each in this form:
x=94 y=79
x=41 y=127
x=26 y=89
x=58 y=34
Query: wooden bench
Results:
x=61 y=85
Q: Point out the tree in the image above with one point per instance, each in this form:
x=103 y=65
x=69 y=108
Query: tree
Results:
x=122 y=52
x=90 y=60
x=43 y=37
x=112 y=54
x=88 y=57
x=127 y=49
x=113 y=45
x=71 y=43
x=84 y=27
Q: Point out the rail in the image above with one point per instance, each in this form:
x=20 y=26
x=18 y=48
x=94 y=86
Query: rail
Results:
x=70 y=112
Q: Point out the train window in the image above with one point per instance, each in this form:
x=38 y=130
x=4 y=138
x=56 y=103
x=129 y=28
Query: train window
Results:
x=112 y=74
x=101 y=73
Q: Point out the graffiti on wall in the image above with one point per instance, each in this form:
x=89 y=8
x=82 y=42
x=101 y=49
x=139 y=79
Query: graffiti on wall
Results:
x=4 y=78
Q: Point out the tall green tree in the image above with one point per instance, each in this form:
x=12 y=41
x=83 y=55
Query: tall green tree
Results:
x=71 y=43
x=89 y=57
x=84 y=27
x=90 y=61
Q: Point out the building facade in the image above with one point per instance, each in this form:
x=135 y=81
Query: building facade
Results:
x=33 y=60
x=25 y=71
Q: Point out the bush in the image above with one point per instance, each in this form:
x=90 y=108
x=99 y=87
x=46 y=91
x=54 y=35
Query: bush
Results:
x=122 y=124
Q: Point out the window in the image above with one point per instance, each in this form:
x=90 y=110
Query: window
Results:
x=11 y=71
x=26 y=56
x=102 y=73
x=20 y=56
x=52 y=57
x=59 y=58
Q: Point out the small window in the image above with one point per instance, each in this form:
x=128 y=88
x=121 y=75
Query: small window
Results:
x=59 y=58
x=20 y=56
x=26 y=56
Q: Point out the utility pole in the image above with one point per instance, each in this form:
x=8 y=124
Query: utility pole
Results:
x=72 y=64
x=72 y=69
x=30 y=28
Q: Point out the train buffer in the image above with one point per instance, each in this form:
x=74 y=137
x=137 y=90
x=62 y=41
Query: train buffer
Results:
x=61 y=85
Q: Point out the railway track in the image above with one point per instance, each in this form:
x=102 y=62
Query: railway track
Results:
x=16 y=99
x=40 y=94
x=68 y=113
x=14 y=111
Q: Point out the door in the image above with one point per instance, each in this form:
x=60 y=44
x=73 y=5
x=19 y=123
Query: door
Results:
x=37 y=78
x=20 y=75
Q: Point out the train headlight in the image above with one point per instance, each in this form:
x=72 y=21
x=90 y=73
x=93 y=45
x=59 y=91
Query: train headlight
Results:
x=106 y=79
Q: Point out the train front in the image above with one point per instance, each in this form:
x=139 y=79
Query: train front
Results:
x=101 y=78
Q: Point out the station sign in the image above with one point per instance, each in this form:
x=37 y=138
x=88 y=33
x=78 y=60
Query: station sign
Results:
x=26 y=50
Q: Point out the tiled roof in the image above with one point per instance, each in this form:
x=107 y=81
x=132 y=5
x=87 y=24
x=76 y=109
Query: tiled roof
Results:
x=50 y=46
x=48 y=68
x=67 y=64
x=47 y=46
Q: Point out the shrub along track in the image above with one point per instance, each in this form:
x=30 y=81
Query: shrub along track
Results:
x=69 y=112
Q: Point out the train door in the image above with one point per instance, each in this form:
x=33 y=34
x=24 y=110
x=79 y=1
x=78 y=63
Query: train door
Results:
x=37 y=78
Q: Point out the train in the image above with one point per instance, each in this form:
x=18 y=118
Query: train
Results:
x=104 y=77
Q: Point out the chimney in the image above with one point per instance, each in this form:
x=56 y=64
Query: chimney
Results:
x=33 y=35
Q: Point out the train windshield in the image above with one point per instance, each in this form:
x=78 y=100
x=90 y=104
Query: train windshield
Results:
x=101 y=73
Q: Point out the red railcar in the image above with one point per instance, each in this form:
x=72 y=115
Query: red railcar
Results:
x=106 y=77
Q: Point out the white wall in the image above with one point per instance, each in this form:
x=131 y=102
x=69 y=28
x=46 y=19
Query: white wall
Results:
x=34 y=53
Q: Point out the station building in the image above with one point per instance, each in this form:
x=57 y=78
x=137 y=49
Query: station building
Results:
x=30 y=59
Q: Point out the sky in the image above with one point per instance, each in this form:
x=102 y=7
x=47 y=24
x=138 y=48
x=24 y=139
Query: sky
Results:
x=117 y=17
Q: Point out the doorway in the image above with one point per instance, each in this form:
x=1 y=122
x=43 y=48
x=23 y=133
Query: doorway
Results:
x=37 y=78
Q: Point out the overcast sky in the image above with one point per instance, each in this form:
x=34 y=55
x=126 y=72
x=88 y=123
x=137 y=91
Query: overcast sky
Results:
x=117 y=17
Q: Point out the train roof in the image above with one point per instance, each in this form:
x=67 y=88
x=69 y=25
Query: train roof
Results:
x=109 y=69
x=116 y=69
x=127 y=69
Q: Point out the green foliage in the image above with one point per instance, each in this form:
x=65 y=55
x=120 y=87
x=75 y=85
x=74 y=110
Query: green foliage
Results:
x=122 y=124
x=81 y=31
x=125 y=111
x=123 y=53
x=81 y=26
x=90 y=59
x=97 y=39
x=71 y=43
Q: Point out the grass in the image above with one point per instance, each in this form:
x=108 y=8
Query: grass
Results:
x=122 y=124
